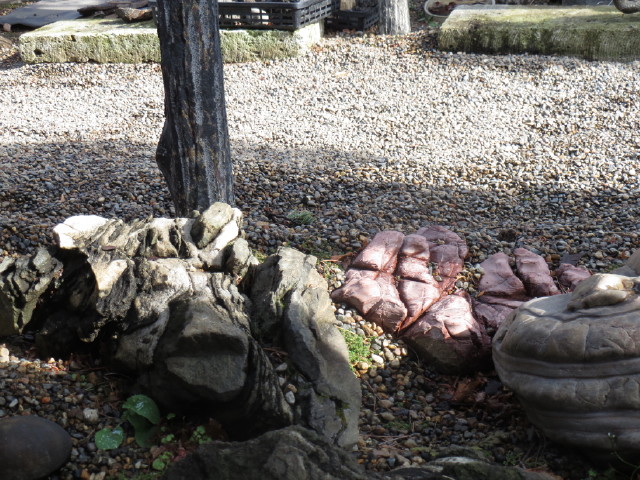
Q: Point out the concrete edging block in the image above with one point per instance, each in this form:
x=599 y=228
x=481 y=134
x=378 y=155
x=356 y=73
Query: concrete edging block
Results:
x=114 y=41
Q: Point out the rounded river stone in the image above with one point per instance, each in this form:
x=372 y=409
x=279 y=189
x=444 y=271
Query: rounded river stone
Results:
x=31 y=447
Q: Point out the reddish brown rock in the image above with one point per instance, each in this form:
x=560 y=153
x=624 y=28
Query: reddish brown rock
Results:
x=448 y=251
x=503 y=301
x=381 y=254
x=361 y=290
x=389 y=312
x=499 y=280
x=413 y=259
x=491 y=315
x=569 y=276
x=534 y=273
x=450 y=337
x=418 y=297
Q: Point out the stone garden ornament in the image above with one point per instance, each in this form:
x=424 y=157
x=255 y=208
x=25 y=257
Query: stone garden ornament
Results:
x=574 y=362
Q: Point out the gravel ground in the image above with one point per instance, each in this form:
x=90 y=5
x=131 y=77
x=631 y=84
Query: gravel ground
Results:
x=363 y=133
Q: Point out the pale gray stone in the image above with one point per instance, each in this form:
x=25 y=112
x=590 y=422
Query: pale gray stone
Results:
x=576 y=366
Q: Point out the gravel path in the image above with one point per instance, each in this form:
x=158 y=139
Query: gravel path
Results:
x=364 y=133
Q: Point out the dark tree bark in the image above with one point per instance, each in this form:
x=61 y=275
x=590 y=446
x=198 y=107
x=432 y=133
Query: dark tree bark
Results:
x=193 y=152
x=394 y=17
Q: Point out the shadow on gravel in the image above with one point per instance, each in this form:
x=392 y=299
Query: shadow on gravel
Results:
x=349 y=196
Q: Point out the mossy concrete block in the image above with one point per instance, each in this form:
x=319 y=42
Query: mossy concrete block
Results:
x=593 y=33
x=114 y=41
x=91 y=40
x=249 y=45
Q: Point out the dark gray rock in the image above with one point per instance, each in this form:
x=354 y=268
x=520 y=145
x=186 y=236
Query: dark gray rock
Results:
x=296 y=298
x=296 y=453
x=205 y=358
x=292 y=453
x=464 y=468
x=31 y=447
x=22 y=282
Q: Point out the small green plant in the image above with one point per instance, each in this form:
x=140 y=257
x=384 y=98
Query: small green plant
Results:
x=321 y=250
x=358 y=347
x=108 y=439
x=162 y=461
x=512 y=459
x=200 y=436
x=301 y=217
x=143 y=414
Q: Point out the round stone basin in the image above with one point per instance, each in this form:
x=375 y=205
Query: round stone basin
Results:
x=576 y=371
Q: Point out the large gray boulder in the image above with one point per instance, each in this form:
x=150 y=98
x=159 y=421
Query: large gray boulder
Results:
x=574 y=362
x=183 y=306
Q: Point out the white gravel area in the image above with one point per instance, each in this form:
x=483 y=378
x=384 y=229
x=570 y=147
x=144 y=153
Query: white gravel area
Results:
x=364 y=132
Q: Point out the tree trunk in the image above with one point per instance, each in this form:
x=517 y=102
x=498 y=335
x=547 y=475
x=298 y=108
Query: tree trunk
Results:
x=394 y=17
x=193 y=152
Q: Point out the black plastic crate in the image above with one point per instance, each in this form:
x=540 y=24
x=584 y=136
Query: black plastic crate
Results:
x=274 y=15
x=359 y=20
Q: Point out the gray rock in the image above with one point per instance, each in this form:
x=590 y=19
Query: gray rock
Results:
x=202 y=352
x=329 y=400
x=273 y=283
x=189 y=334
x=464 y=468
x=295 y=453
x=208 y=225
x=238 y=258
x=31 y=447
x=22 y=282
x=292 y=453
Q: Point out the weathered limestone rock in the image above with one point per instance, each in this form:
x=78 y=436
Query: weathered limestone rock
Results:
x=296 y=298
x=574 y=362
x=31 y=447
x=169 y=300
x=22 y=282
